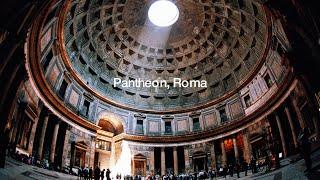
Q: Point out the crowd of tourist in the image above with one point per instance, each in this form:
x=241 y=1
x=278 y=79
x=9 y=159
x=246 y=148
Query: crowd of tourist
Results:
x=230 y=169
x=96 y=174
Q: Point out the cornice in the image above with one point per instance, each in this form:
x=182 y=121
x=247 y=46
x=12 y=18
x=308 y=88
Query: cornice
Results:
x=233 y=126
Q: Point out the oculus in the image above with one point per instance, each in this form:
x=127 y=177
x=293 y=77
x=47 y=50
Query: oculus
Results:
x=163 y=13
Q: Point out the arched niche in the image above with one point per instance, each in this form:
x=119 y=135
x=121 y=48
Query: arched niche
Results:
x=111 y=122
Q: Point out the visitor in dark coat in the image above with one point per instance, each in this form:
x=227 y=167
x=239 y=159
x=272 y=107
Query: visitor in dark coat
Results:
x=108 y=174
x=102 y=174
x=90 y=173
x=97 y=173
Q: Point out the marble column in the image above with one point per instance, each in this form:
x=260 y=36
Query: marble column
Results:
x=42 y=136
x=92 y=151
x=293 y=132
x=224 y=154
x=246 y=147
x=213 y=157
x=113 y=154
x=151 y=166
x=283 y=141
x=133 y=170
x=54 y=141
x=33 y=131
x=163 y=161
x=186 y=159
x=235 y=147
x=175 y=161
x=298 y=112
x=66 y=154
x=32 y=135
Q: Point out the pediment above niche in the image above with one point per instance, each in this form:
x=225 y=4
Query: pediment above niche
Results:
x=139 y=116
x=167 y=117
x=195 y=114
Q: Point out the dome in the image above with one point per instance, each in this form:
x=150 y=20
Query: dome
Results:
x=219 y=43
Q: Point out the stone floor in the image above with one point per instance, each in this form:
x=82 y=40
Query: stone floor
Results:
x=18 y=170
x=21 y=171
x=294 y=171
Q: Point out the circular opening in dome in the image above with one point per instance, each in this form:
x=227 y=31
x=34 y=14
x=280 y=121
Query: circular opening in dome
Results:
x=163 y=13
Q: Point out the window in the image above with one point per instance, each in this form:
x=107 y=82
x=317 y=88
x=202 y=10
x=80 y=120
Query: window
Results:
x=139 y=127
x=196 y=124
x=63 y=88
x=247 y=100
x=268 y=80
x=223 y=115
x=85 y=108
x=168 y=129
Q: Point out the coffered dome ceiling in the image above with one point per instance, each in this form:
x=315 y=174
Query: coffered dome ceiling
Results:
x=221 y=41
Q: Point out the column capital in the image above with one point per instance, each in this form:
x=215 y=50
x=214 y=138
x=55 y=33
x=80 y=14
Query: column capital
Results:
x=58 y=121
x=48 y=113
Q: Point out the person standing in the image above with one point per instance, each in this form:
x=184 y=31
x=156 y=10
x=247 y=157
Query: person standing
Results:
x=305 y=148
x=86 y=173
x=225 y=170
x=267 y=163
x=245 y=167
x=108 y=174
x=253 y=165
x=97 y=173
x=231 y=170
x=237 y=167
x=90 y=173
x=80 y=173
x=102 y=174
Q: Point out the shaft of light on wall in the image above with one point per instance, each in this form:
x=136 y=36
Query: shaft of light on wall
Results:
x=123 y=164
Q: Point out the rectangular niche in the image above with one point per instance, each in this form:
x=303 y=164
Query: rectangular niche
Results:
x=154 y=126
x=74 y=98
x=210 y=119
